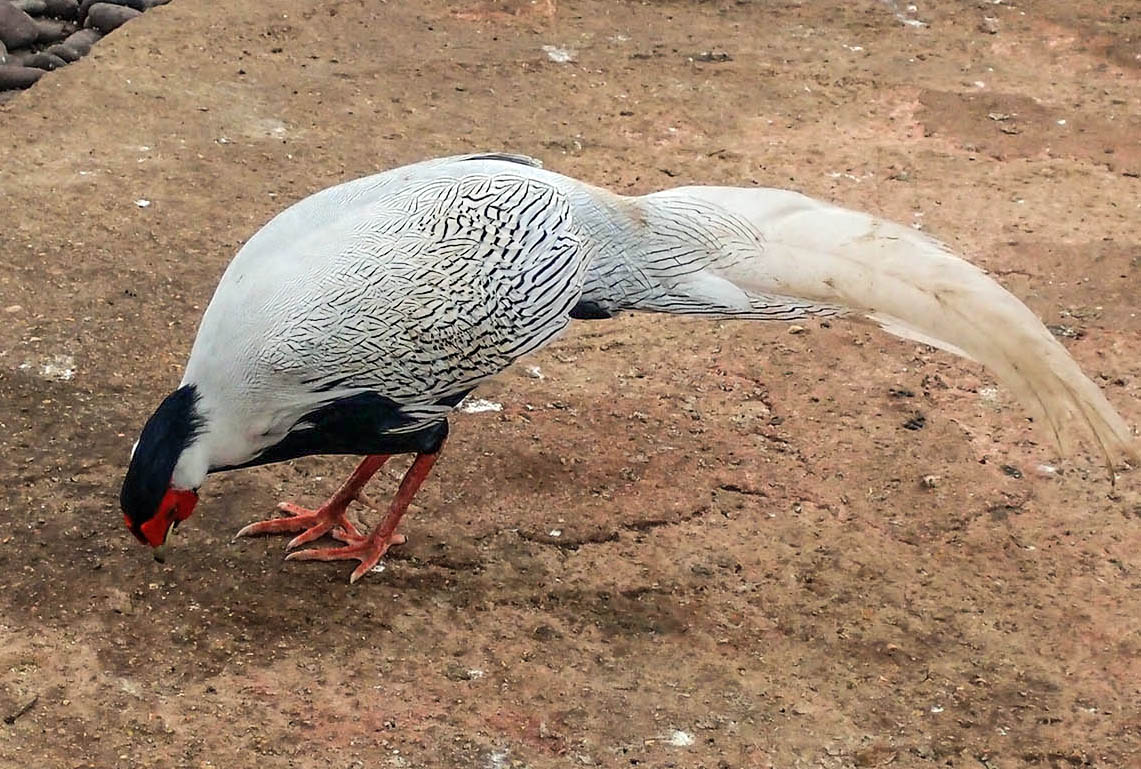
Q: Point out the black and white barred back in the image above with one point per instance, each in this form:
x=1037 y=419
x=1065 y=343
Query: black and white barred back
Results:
x=410 y=287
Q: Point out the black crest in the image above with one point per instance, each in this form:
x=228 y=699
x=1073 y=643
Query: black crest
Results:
x=173 y=427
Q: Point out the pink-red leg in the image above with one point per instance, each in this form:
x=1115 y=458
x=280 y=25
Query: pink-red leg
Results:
x=329 y=517
x=369 y=550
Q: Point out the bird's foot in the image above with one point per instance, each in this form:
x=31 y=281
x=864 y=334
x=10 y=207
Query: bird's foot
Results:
x=329 y=518
x=368 y=550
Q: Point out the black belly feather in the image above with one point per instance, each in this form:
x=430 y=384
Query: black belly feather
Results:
x=588 y=310
x=359 y=424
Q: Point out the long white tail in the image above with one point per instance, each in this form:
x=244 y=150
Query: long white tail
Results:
x=775 y=254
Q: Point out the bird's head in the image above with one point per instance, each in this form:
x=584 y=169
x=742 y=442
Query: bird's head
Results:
x=160 y=488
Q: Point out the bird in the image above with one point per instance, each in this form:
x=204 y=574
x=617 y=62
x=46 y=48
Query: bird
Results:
x=358 y=318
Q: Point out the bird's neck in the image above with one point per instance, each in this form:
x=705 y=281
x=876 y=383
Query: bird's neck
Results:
x=192 y=466
x=171 y=432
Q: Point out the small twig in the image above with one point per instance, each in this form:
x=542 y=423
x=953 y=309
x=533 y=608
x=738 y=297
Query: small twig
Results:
x=11 y=719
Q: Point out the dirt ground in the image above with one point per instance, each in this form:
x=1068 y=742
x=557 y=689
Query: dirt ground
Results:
x=691 y=544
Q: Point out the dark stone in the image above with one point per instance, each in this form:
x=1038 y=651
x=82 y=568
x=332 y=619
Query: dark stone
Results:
x=82 y=40
x=53 y=30
x=35 y=7
x=62 y=9
x=18 y=77
x=106 y=17
x=138 y=5
x=16 y=27
x=65 y=52
x=19 y=58
x=45 y=60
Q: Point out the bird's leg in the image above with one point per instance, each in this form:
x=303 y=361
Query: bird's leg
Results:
x=368 y=550
x=330 y=516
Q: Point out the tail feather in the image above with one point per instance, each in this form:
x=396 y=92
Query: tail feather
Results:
x=794 y=256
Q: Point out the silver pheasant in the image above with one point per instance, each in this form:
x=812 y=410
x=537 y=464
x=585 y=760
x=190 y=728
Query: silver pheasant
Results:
x=358 y=318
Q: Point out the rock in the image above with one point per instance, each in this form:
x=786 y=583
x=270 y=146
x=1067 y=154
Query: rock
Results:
x=106 y=17
x=62 y=9
x=65 y=52
x=19 y=58
x=138 y=5
x=37 y=7
x=53 y=30
x=18 y=77
x=45 y=60
x=16 y=27
x=989 y=25
x=82 y=40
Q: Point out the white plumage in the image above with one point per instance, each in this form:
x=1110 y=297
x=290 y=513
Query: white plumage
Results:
x=368 y=310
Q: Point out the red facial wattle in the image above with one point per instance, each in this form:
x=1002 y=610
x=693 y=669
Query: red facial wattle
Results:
x=177 y=505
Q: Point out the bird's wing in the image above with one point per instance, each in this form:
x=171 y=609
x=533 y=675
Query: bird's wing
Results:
x=335 y=203
x=418 y=295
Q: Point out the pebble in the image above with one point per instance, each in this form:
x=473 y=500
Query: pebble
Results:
x=62 y=9
x=31 y=6
x=138 y=5
x=82 y=40
x=65 y=52
x=18 y=77
x=795 y=329
x=16 y=27
x=106 y=17
x=52 y=30
x=45 y=60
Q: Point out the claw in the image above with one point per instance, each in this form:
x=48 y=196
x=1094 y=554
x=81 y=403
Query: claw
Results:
x=368 y=551
x=330 y=518
x=313 y=524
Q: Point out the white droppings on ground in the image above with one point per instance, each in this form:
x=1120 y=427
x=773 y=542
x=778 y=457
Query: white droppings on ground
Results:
x=479 y=406
x=680 y=739
x=130 y=687
x=497 y=759
x=142 y=202
x=60 y=367
x=904 y=17
x=845 y=175
x=559 y=55
x=988 y=394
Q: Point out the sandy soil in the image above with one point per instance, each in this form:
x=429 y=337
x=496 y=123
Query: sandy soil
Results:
x=747 y=555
